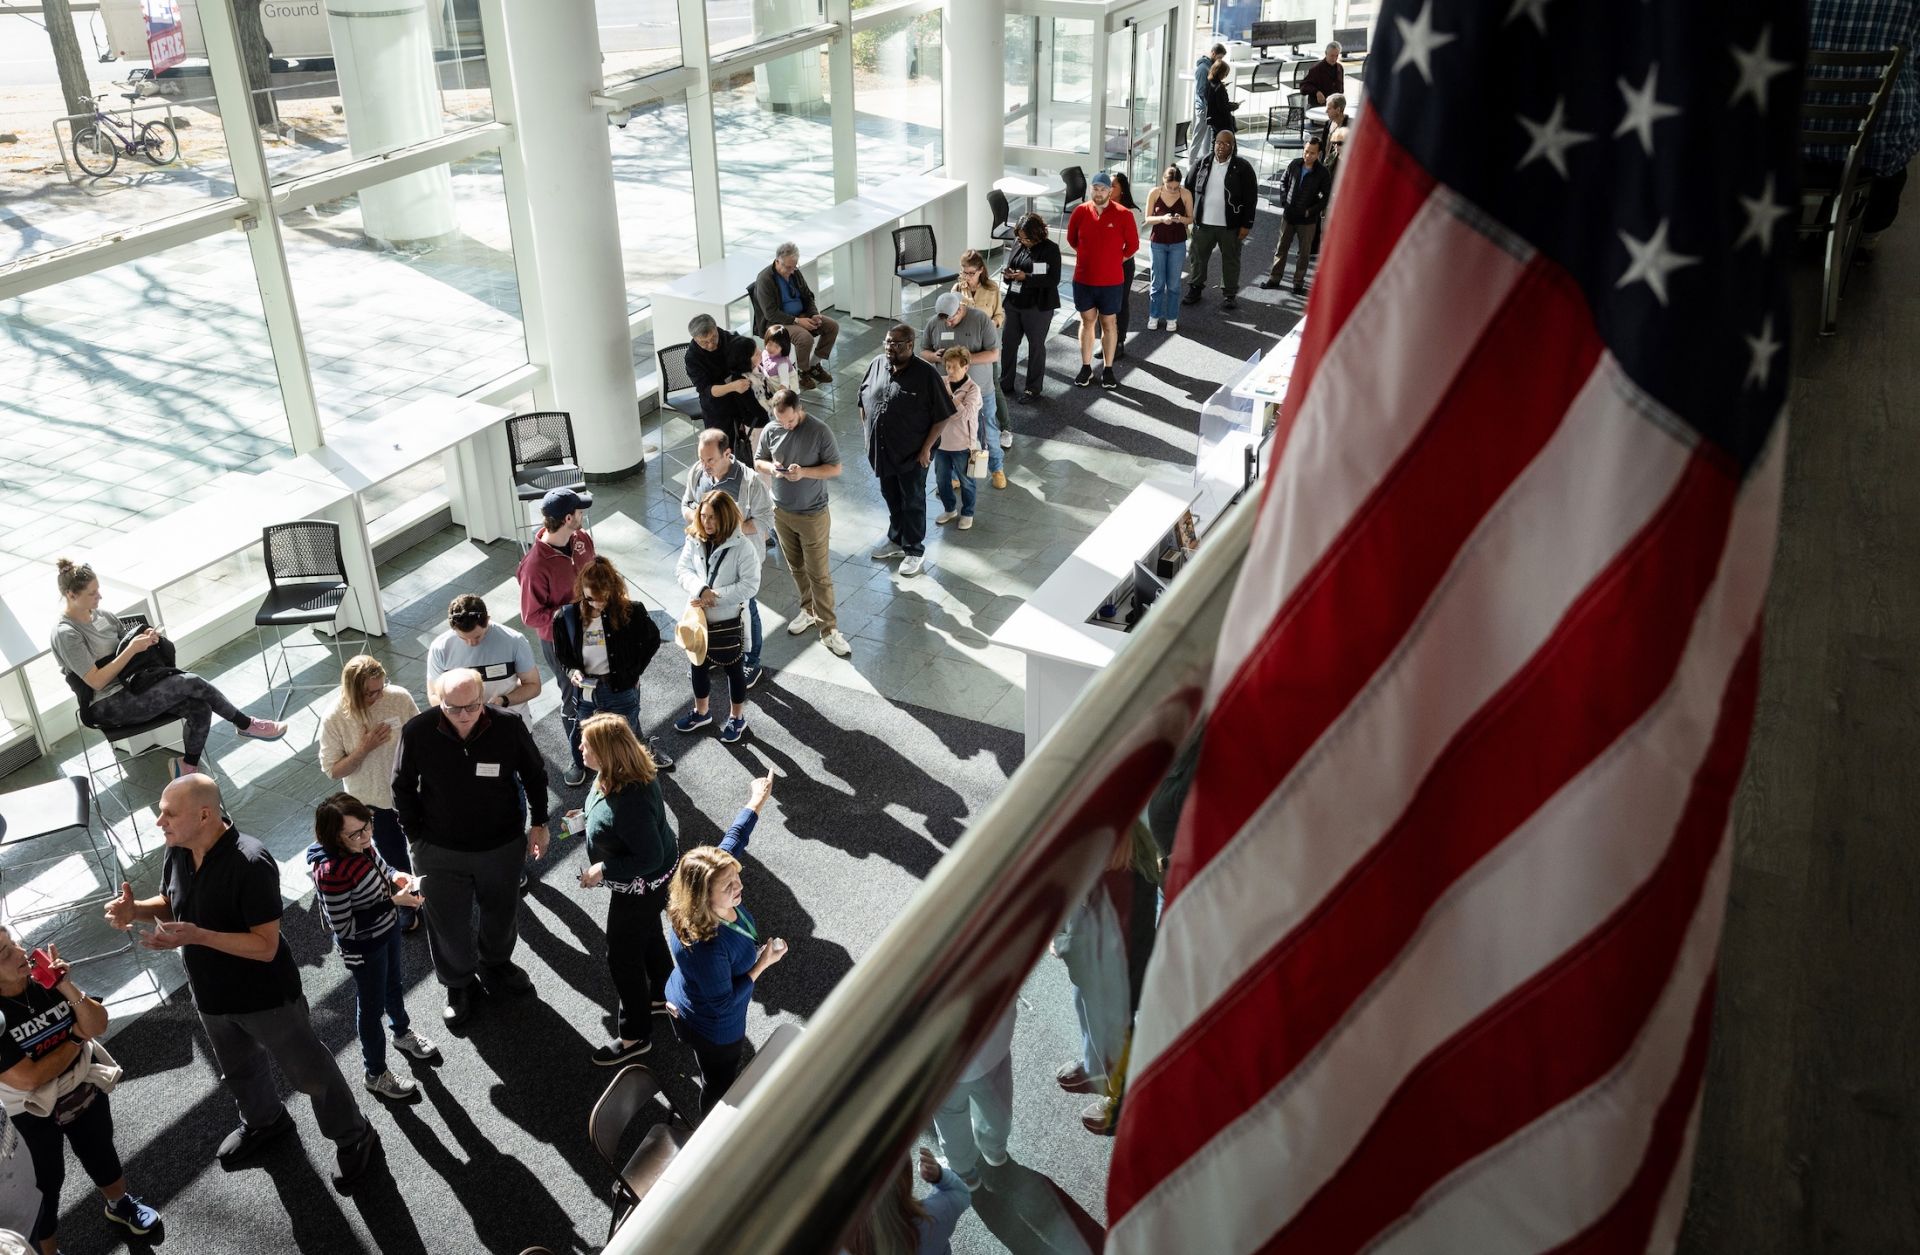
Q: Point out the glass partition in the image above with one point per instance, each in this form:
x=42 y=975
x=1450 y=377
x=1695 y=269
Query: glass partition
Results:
x=896 y=80
x=653 y=186
x=778 y=158
x=637 y=38
x=1069 y=95
x=1022 y=36
x=735 y=24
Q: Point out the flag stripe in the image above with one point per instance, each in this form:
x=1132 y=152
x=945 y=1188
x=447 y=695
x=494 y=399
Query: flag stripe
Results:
x=1673 y=1204
x=1517 y=751
x=1592 y=1004
x=1367 y=409
x=1601 y=477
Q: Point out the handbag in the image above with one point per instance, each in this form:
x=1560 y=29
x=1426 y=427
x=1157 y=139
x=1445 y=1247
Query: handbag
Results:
x=977 y=464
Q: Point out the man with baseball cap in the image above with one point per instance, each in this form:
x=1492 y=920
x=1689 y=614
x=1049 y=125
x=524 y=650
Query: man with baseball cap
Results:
x=546 y=575
x=1102 y=236
x=956 y=324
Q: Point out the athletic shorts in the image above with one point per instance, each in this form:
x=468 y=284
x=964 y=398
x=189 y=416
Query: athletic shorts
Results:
x=1104 y=297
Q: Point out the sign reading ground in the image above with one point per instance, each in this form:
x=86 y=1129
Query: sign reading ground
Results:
x=166 y=41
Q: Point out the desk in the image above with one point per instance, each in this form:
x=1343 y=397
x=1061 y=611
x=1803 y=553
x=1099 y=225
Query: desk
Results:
x=1266 y=385
x=22 y=641
x=860 y=230
x=1028 y=188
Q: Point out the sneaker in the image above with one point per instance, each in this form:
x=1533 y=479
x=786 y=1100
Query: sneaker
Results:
x=912 y=565
x=1173 y=324
x=966 y=522
x=459 y=1006
x=1084 y=378
x=837 y=643
x=800 y=622
x=1107 y=380
x=1031 y=394
x=999 y=479
x=693 y=721
x=131 y=1214
x=1073 y=1078
x=733 y=731
x=616 y=1052
x=1269 y=284
x=1157 y=324
x=662 y=761
x=1228 y=302
x=1095 y=1119
x=820 y=372
x=178 y=767
x=884 y=550
x=1006 y=440
x=414 y=1046
x=264 y=730
x=754 y=674
x=946 y=518
x=575 y=776
x=392 y=1088
x=245 y=1141
x=354 y=1160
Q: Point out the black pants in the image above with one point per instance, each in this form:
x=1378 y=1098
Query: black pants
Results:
x=637 y=956
x=736 y=681
x=1126 y=307
x=91 y=1135
x=906 y=496
x=719 y=1067
x=1029 y=325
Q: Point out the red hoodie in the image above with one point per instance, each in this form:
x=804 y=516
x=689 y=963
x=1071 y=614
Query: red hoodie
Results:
x=546 y=579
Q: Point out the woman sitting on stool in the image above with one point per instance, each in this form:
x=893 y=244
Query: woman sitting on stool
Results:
x=93 y=645
x=720 y=569
x=717 y=952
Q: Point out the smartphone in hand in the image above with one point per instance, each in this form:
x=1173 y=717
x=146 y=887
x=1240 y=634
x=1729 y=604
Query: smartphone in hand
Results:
x=41 y=971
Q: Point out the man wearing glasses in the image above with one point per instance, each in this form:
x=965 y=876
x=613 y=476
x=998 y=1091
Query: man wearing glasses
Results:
x=457 y=787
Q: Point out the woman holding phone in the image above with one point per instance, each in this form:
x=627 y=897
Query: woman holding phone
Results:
x=717 y=952
x=630 y=852
x=360 y=899
x=358 y=741
x=54 y=1082
x=1169 y=211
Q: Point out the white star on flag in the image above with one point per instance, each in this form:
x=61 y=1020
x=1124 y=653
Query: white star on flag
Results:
x=1535 y=10
x=1418 y=40
x=1763 y=347
x=1652 y=261
x=1763 y=212
x=1551 y=139
x=1643 y=110
x=1756 y=68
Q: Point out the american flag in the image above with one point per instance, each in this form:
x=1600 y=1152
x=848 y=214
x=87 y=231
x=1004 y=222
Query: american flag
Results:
x=1436 y=966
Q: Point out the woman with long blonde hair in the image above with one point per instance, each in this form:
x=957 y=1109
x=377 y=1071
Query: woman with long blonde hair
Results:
x=359 y=738
x=900 y=1224
x=717 y=951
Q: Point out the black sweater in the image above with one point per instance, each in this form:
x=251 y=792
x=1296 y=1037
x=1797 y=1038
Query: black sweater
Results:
x=465 y=795
x=1036 y=291
x=629 y=649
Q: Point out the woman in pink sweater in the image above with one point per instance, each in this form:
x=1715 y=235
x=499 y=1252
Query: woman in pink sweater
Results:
x=958 y=436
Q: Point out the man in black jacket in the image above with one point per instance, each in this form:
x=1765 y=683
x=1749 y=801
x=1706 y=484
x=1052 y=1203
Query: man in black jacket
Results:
x=720 y=365
x=1225 y=192
x=781 y=296
x=1303 y=198
x=457 y=787
x=904 y=402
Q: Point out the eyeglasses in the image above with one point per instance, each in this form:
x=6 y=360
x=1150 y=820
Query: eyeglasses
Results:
x=468 y=709
x=354 y=834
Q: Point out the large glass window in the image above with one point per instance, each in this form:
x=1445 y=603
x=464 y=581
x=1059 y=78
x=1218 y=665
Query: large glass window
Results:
x=653 y=184
x=773 y=127
x=1021 y=34
x=1070 y=91
x=386 y=322
x=896 y=80
x=637 y=37
x=736 y=23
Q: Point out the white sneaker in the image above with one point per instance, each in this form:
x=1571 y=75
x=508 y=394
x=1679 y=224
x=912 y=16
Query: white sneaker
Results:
x=1173 y=324
x=912 y=565
x=387 y=1085
x=966 y=522
x=1006 y=440
x=946 y=518
x=837 y=643
x=884 y=550
x=414 y=1046
x=800 y=622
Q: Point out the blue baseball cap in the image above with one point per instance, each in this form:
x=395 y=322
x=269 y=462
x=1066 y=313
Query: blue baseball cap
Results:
x=1102 y=179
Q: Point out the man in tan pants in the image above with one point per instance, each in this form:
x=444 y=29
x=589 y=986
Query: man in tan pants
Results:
x=798 y=453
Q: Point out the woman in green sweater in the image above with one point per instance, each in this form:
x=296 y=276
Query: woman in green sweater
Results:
x=631 y=851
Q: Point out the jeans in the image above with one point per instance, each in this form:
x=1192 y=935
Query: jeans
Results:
x=243 y=1044
x=751 y=658
x=949 y=465
x=976 y=1118
x=91 y=1136
x=569 y=696
x=989 y=431
x=193 y=699
x=378 y=986
x=1163 y=301
x=905 y=492
x=637 y=956
x=604 y=700
x=456 y=883
x=1029 y=326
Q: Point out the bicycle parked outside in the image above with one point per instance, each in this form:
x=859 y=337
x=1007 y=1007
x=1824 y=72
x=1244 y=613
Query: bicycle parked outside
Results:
x=99 y=142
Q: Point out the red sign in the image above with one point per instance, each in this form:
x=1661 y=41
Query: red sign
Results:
x=166 y=42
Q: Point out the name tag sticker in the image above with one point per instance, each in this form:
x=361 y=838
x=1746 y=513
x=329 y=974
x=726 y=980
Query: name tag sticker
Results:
x=486 y=770
x=494 y=671
x=946 y=335
x=1039 y=267
x=1014 y=286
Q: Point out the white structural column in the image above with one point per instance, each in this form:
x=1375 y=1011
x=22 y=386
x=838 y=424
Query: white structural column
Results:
x=389 y=87
x=702 y=152
x=566 y=228
x=974 y=141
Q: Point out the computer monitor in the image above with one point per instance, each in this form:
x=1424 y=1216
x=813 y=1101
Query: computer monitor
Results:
x=1291 y=33
x=1352 y=41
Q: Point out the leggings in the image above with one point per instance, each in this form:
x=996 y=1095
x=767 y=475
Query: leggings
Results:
x=193 y=699
x=719 y=1067
x=637 y=956
x=91 y=1135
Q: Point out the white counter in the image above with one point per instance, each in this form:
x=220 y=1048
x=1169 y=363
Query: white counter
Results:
x=1063 y=650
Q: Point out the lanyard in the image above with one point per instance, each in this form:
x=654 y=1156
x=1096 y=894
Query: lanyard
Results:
x=749 y=932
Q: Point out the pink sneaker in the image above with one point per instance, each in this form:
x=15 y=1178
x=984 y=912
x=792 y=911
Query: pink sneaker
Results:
x=178 y=767
x=264 y=730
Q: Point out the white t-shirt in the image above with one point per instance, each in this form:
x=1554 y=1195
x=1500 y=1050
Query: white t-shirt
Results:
x=593 y=647
x=1213 y=202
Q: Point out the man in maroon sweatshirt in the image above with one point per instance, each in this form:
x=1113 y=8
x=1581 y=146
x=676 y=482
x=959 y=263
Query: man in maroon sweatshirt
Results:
x=546 y=577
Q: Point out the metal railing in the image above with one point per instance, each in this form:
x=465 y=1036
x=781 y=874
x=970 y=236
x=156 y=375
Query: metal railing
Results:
x=828 y=1126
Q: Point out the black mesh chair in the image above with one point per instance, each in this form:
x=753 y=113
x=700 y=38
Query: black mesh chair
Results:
x=679 y=401
x=115 y=736
x=1284 y=124
x=916 y=259
x=1267 y=77
x=635 y=1093
x=1074 y=180
x=45 y=811
x=540 y=445
x=306 y=585
x=1002 y=215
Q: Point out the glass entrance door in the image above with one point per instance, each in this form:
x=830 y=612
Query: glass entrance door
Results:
x=1138 y=72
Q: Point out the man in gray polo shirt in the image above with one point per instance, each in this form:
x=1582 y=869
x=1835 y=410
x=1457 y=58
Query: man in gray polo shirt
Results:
x=956 y=323
x=798 y=451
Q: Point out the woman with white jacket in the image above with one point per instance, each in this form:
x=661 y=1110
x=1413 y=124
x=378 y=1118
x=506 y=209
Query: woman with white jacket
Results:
x=720 y=569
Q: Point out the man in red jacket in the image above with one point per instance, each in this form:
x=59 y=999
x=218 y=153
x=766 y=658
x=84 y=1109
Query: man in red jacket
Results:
x=546 y=577
x=1102 y=235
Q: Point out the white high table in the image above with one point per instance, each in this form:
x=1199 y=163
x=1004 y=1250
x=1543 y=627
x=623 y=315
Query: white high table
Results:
x=1063 y=650
x=864 y=283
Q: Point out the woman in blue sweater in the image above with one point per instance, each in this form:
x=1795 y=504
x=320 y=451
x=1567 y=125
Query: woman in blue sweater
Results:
x=630 y=851
x=717 y=952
